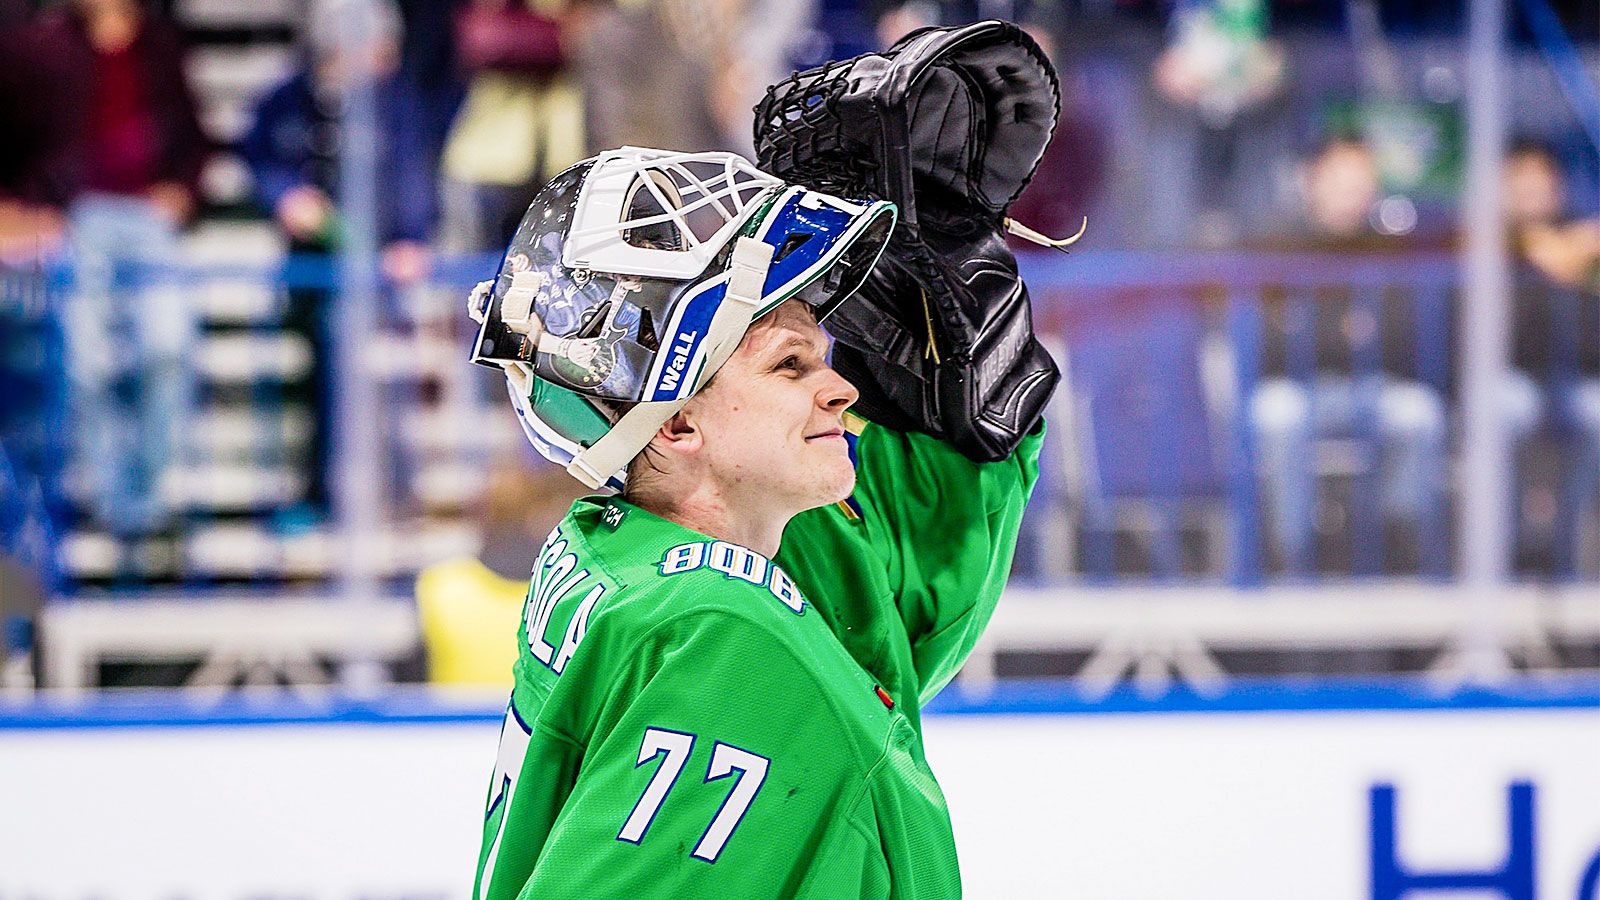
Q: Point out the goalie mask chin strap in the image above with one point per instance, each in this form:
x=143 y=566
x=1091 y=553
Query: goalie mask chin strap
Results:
x=632 y=432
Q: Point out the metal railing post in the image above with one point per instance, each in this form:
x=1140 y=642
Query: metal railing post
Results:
x=357 y=450
x=1244 y=333
x=1486 y=285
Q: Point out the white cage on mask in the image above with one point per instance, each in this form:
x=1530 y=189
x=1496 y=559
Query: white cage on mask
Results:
x=666 y=215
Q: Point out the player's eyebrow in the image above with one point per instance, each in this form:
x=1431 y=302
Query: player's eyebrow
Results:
x=804 y=343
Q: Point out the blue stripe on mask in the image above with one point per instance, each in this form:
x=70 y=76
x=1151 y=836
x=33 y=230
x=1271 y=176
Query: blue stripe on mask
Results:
x=825 y=223
x=681 y=353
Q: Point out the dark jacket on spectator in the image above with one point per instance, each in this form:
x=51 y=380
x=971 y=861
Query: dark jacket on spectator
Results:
x=1341 y=330
x=294 y=141
x=1555 y=330
x=29 y=126
x=51 y=78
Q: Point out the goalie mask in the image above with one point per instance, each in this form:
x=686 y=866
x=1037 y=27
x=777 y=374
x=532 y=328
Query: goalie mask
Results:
x=633 y=277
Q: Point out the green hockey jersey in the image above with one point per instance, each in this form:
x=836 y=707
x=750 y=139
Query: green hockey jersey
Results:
x=691 y=719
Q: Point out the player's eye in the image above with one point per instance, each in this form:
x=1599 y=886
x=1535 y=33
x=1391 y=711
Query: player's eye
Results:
x=790 y=363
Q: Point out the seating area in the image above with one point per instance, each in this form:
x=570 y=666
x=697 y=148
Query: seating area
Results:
x=1279 y=415
x=1163 y=473
x=1151 y=481
x=1150 y=471
x=245 y=465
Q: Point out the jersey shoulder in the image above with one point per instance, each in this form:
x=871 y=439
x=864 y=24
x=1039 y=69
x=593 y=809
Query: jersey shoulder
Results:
x=708 y=584
x=662 y=570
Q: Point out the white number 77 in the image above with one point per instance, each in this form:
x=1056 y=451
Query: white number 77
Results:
x=725 y=760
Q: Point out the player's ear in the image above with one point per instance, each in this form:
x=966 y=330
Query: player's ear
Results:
x=679 y=434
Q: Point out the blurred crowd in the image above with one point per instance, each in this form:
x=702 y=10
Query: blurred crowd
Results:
x=1199 y=125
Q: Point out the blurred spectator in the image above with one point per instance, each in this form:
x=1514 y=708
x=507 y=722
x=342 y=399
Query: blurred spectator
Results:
x=468 y=607
x=1220 y=61
x=293 y=146
x=521 y=122
x=1565 y=251
x=1221 y=72
x=1556 y=312
x=897 y=18
x=645 y=68
x=124 y=166
x=293 y=152
x=430 y=65
x=760 y=48
x=840 y=29
x=894 y=19
x=1291 y=409
x=684 y=74
x=133 y=132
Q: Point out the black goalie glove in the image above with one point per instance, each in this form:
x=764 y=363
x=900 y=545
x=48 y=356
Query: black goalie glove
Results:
x=949 y=124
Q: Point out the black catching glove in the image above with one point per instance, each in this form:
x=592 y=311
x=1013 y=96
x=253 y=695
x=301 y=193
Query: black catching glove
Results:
x=949 y=124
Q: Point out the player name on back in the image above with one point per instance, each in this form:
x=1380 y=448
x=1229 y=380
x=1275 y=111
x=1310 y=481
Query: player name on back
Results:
x=560 y=575
x=554 y=580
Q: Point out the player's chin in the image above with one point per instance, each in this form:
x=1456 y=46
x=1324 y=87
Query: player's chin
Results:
x=829 y=476
x=836 y=481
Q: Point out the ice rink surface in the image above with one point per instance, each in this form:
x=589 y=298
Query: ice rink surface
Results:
x=322 y=802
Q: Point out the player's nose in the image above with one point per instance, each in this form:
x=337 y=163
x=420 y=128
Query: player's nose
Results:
x=836 y=394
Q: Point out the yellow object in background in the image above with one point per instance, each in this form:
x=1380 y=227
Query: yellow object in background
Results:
x=512 y=130
x=469 y=619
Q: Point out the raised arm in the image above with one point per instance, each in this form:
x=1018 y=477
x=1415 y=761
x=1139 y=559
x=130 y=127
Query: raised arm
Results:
x=946 y=528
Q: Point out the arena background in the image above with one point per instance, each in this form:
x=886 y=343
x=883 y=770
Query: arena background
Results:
x=1307 y=602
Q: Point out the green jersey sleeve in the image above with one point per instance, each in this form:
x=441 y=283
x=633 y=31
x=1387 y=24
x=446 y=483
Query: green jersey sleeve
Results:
x=930 y=550
x=947 y=527
x=712 y=766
